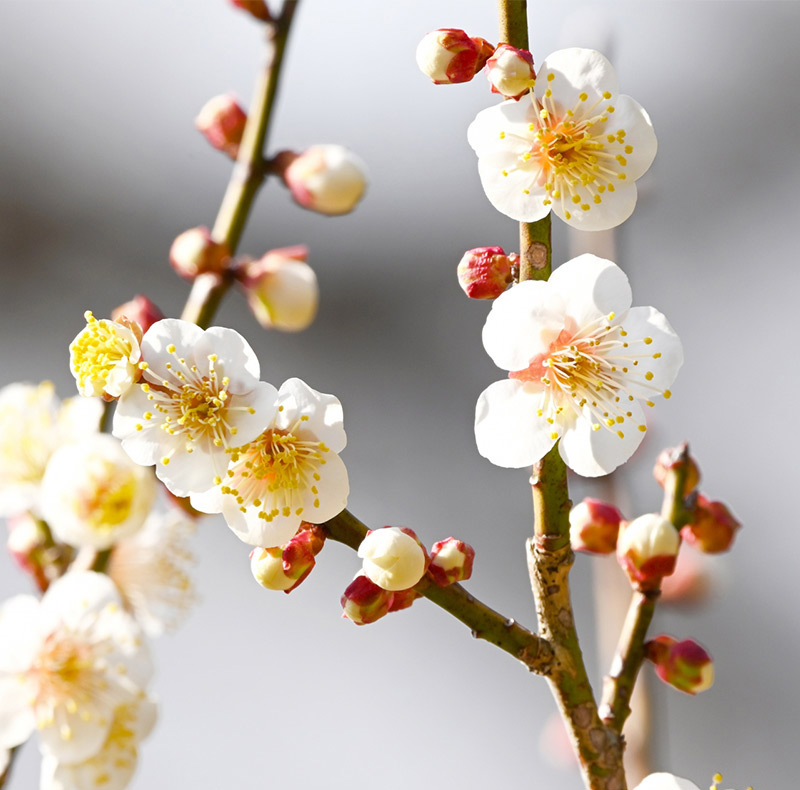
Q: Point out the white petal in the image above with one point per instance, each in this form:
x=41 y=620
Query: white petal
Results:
x=614 y=208
x=508 y=430
x=631 y=117
x=575 y=71
x=251 y=529
x=262 y=399
x=591 y=288
x=145 y=446
x=17 y=720
x=593 y=453
x=647 y=322
x=664 y=781
x=324 y=412
x=72 y=738
x=79 y=596
x=210 y=501
x=235 y=358
x=333 y=489
x=513 y=187
x=20 y=633
x=182 y=334
x=511 y=118
x=522 y=324
x=188 y=474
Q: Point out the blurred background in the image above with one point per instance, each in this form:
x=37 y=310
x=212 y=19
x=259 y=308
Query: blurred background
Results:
x=100 y=168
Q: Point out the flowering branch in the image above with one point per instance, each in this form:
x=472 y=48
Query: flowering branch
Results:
x=248 y=173
x=619 y=683
x=533 y=651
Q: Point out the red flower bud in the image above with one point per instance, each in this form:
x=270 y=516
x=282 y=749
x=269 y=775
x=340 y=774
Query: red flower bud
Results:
x=485 y=272
x=449 y=55
x=684 y=665
x=712 y=527
x=194 y=252
x=364 y=602
x=451 y=561
x=594 y=526
x=139 y=310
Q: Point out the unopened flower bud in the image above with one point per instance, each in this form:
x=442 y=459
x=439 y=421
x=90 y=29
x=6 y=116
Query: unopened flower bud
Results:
x=222 y=122
x=139 y=310
x=286 y=567
x=449 y=55
x=402 y=599
x=685 y=665
x=104 y=357
x=712 y=526
x=327 y=179
x=485 y=272
x=394 y=559
x=194 y=252
x=281 y=289
x=256 y=8
x=647 y=549
x=510 y=71
x=673 y=461
x=594 y=526
x=451 y=561
x=364 y=602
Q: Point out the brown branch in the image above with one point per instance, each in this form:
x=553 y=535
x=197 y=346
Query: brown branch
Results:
x=484 y=622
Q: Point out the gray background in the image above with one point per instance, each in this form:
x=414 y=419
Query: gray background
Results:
x=100 y=168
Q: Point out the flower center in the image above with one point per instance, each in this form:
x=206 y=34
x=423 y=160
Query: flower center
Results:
x=592 y=369
x=97 y=350
x=276 y=473
x=110 y=502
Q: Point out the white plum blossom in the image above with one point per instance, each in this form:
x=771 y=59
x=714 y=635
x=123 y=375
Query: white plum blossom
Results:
x=93 y=494
x=67 y=663
x=104 y=357
x=150 y=570
x=33 y=423
x=200 y=395
x=114 y=765
x=580 y=358
x=574 y=145
x=290 y=473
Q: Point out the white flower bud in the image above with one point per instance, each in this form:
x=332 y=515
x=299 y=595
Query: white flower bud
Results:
x=393 y=559
x=510 y=71
x=267 y=568
x=647 y=548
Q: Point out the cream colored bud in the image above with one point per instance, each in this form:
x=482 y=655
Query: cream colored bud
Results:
x=267 y=568
x=393 y=559
x=647 y=548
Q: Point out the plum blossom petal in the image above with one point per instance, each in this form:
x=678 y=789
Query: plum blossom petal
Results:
x=582 y=385
x=200 y=396
x=574 y=145
x=665 y=781
x=289 y=474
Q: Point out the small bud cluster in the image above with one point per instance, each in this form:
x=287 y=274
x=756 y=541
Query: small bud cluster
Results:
x=286 y=567
x=394 y=562
x=684 y=665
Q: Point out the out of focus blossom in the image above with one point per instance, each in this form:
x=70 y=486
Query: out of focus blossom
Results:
x=112 y=768
x=288 y=474
x=281 y=289
x=222 y=121
x=200 y=395
x=647 y=549
x=510 y=71
x=574 y=145
x=451 y=561
x=393 y=558
x=712 y=526
x=67 y=664
x=580 y=359
x=664 y=781
x=594 y=526
x=93 y=494
x=485 y=272
x=34 y=550
x=327 y=179
x=256 y=8
x=104 y=357
x=194 y=252
x=674 y=461
x=139 y=310
x=33 y=423
x=450 y=56
x=151 y=571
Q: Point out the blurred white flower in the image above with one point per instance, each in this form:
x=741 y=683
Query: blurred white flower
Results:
x=93 y=494
x=33 y=423
x=67 y=663
x=151 y=571
x=575 y=146
x=579 y=357
x=393 y=558
x=288 y=474
x=200 y=396
x=112 y=768
x=104 y=357
x=664 y=781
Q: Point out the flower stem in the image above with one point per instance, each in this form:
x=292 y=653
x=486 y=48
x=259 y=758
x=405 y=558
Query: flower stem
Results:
x=6 y=775
x=513 y=22
x=248 y=172
x=535 y=250
x=485 y=623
